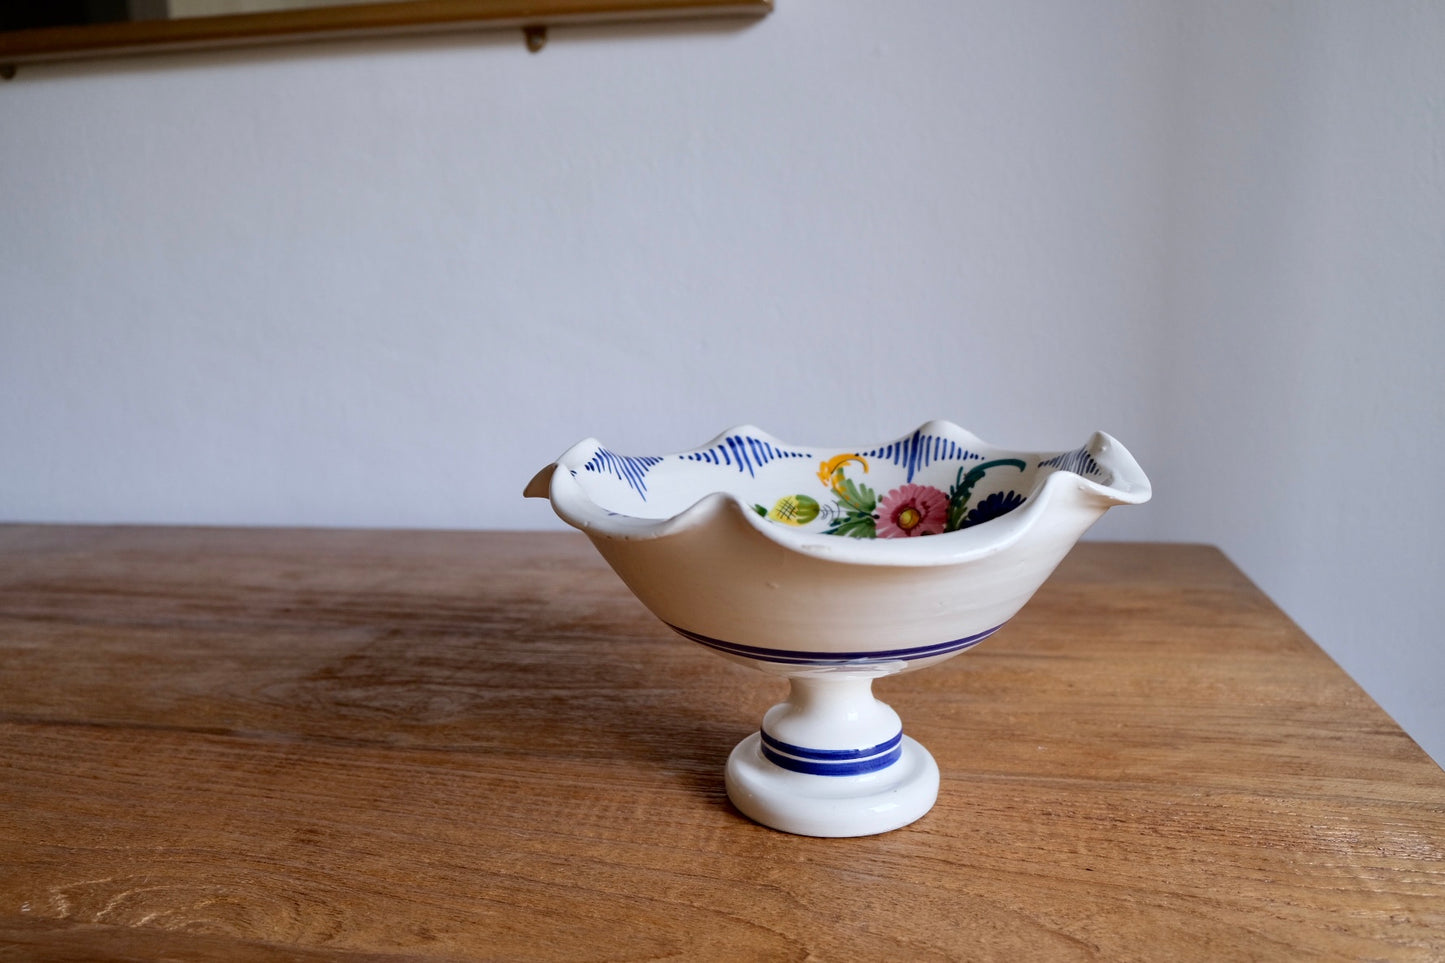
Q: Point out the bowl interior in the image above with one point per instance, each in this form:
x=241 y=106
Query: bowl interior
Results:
x=926 y=483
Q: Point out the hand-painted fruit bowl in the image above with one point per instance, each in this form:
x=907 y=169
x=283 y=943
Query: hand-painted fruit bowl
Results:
x=833 y=567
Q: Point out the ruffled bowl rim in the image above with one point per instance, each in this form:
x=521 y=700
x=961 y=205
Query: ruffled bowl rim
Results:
x=1129 y=486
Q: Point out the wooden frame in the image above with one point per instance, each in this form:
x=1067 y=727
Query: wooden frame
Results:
x=390 y=18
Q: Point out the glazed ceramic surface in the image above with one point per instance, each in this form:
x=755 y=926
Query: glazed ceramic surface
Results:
x=834 y=566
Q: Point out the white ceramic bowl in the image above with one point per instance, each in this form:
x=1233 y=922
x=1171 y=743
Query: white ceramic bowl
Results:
x=834 y=566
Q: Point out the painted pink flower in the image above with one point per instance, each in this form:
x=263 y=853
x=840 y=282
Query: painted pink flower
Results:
x=910 y=510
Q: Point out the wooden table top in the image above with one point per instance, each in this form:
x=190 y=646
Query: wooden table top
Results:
x=320 y=745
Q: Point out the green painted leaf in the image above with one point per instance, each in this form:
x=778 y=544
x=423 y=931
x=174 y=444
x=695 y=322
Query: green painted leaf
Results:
x=858 y=496
x=854 y=524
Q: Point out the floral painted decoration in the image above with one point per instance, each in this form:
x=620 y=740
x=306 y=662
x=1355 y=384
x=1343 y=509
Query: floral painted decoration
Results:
x=994 y=506
x=911 y=510
x=791 y=510
x=908 y=511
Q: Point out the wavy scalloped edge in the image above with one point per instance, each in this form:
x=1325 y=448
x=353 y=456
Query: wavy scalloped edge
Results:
x=1119 y=481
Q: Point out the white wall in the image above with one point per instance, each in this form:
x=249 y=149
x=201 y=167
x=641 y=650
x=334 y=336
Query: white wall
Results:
x=1307 y=317
x=380 y=284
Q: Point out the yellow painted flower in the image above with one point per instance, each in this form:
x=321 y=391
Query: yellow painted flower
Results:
x=830 y=472
x=794 y=510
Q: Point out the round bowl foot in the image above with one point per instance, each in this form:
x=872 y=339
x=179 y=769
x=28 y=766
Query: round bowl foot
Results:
x=828 y=805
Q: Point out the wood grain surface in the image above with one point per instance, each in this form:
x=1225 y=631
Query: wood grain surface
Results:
x=356 y=745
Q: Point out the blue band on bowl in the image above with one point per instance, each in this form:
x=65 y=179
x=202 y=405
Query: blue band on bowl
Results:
x=799 y=657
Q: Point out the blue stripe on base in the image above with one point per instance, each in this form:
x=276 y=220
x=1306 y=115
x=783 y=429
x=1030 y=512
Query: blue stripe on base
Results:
x=833 y=762
x=829 y=755
x=800 y=657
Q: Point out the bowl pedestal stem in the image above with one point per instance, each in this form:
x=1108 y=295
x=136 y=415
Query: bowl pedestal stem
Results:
x=832 y=761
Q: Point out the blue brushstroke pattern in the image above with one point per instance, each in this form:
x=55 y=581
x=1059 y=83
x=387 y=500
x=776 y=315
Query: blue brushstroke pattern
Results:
x=744 y=453
x=919 y=451
x=630 y=468
x=1078 y=461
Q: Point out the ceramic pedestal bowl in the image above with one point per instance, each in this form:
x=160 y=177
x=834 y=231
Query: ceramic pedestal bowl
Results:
x=834 y=567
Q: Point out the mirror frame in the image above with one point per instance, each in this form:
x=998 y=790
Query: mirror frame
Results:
x=354 y=20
